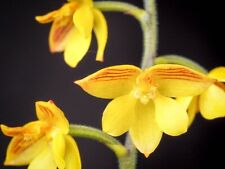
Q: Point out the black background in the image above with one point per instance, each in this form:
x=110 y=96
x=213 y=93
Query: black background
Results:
x=29 y=72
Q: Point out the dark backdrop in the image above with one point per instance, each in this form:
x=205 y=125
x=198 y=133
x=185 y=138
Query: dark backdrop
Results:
x=29 y=73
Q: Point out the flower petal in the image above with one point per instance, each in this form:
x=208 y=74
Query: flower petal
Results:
x=84 y=20
x=49 y=17
x=110 y=82
x=218 y=73
x=171 y=116
x=177 y=81
x=212 y=103
x=22 y=151
x=30 y=129
x=61 y=31
x=76 y=48
x=145 y=132
x=66 y=10
x=11 y=131
x=72 y=155
x=58 y=149
x=44 y=160
x=101 y=32
x=118 y=116
x=49 y=112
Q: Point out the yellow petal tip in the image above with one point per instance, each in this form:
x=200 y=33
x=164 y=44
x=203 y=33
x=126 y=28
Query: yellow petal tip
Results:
x=82 y=83
x=49 y=17
x=9 y=162
x=41 y=19
x=78 y=82
x=100 y=59
x=4 y=129
x=52 y=49
x=72 y=65
x=2 y=126
x=38 y=18
x=6 y=163
x=146 y=154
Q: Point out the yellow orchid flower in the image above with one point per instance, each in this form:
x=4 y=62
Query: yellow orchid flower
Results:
x=44 y=143
x=71 y=30
x=210 y=103
x=143 y=101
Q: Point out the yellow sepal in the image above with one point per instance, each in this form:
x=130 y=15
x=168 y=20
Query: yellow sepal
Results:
x=177 y=81
x=101 y=32
x=110 y=82
x=50 y=113
x=47 y=18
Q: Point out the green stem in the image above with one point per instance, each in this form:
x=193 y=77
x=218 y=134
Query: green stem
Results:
x=130 y=159
x=98 y=135
x=150 y=34
x=115 y=6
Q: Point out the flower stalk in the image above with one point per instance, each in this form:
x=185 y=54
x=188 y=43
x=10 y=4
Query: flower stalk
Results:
x=149 y=26
x=130 y=159
x=116 y=6
x=98 y=135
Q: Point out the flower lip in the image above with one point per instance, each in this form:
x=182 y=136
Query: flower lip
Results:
x=144 y=89
x=144 y=96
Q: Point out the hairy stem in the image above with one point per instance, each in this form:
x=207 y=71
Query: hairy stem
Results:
x=100 y=136
x=150 y=31
x=130 y=159
x=116 y=6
